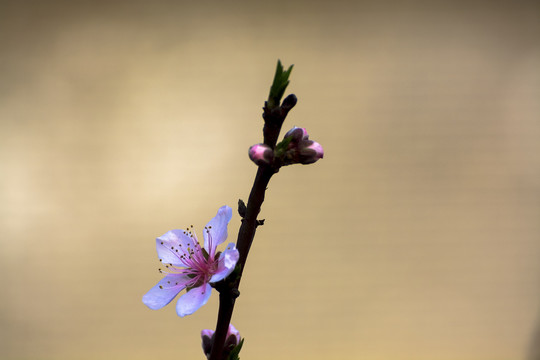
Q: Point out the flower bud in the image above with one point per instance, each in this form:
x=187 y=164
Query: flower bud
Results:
x=233 y=337
x=232 y=340
x=261 y=154
x=296 y=148
x=297 y=134
x=310 y=151
x=207 y=341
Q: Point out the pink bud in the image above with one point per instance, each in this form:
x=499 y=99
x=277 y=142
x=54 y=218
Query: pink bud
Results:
x=234 y=333
x=261 y=154
x=310 y=151
x=207 y=341
x=297 y=133
x=233 y=339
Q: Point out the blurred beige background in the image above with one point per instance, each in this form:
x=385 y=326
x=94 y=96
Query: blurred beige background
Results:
x=416 y=237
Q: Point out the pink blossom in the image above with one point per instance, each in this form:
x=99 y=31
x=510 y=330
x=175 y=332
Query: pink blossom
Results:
x=188 y=266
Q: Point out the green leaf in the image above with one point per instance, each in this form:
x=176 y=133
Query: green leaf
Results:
x=280 y=83
x=234 y=355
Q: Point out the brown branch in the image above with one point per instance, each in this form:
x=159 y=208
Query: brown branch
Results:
x=228 y=290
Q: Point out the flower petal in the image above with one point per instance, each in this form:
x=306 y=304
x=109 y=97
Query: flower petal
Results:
x=165 y=290
x=193 y=300
x=171 y=245
x=226 y=263
x=217 y=228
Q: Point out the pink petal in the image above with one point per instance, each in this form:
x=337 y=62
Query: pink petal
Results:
x=171 y=245
x=193 y=300
x=217 y=227
x=226 y=263
x=165 y=290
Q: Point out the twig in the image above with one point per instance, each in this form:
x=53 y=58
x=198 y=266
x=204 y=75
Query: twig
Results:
x=274 y=115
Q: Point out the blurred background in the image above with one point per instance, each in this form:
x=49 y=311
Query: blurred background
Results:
x=416 y=237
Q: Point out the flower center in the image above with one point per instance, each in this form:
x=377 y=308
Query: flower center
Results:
x=195 y=262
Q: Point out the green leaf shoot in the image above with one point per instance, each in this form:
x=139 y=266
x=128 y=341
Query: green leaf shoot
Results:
x=280 y=83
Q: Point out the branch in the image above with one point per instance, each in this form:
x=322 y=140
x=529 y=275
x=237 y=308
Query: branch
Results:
x=274 y=115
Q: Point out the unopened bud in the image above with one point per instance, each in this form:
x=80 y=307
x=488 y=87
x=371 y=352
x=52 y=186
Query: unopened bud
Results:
x=296 y=148
x=310 y=151
x=261 y=154
x=297 y=134
x=232 y=340
x=207 y=341
x=233 y=337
